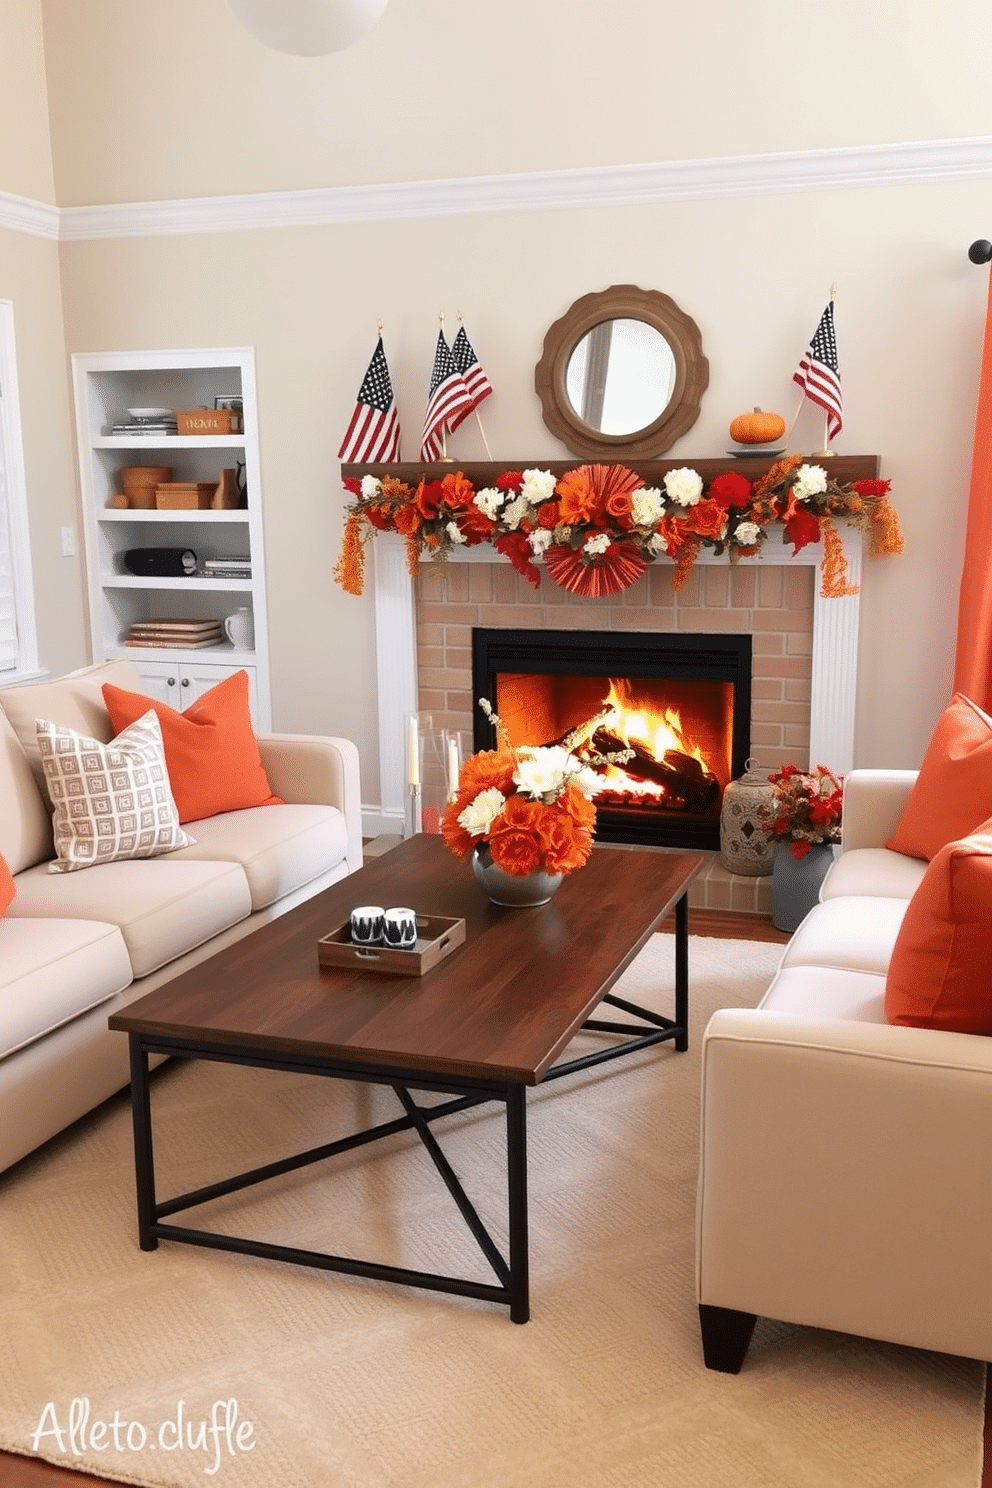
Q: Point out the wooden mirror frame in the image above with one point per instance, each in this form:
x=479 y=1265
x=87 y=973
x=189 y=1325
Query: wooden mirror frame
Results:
x=692 y=372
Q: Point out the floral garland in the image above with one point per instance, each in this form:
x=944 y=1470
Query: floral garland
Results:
x=597 y=527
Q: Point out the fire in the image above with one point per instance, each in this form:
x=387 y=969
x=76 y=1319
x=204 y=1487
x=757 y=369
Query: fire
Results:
x=657 y=732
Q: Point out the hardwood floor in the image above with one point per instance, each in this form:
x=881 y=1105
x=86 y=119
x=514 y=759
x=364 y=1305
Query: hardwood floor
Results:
x=30 y=1472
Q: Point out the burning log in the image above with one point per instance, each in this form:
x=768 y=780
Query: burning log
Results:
x=680 y=775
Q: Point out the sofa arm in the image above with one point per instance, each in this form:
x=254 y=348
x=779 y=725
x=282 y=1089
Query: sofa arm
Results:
x=317 y=770
x=873 y=803
x=840 y=1183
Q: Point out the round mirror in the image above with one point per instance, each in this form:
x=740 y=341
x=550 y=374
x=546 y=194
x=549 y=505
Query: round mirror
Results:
x=622 y=373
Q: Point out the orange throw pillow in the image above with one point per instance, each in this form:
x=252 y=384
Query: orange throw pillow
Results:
x=938 y=976
x=953 y=791
x=211 y=751
x=7 y=886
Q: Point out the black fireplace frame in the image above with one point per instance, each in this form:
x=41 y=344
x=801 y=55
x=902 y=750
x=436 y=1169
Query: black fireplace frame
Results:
x=649 y=655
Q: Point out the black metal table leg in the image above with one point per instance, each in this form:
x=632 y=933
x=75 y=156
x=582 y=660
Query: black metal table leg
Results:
x=516 y=1174
x=144 y=1164
x=682 y=973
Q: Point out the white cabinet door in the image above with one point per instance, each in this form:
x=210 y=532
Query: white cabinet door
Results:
x=180 y=683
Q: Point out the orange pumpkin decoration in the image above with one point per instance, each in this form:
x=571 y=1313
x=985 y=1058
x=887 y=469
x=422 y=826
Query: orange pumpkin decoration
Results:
x=757 y=427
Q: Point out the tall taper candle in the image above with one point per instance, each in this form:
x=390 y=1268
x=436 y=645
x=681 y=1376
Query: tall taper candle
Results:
x=414 y=752
x=452 y=768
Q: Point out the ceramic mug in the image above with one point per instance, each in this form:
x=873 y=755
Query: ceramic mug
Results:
x=366 y=925
x=240 y=629
x=399 y=929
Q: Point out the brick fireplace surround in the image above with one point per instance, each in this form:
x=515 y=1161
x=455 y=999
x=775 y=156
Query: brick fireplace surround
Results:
x=804 y=650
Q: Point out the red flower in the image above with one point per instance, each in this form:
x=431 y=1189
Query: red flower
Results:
x=381 y=517
x=549 y=514
x=510 y=480
x=407 y=519
x=802 y=528
x=475 y=526
x=730 y=490
x=353 y=484
x=706 y=519
x=430 y=494
x=514 y=545
x=872 y=487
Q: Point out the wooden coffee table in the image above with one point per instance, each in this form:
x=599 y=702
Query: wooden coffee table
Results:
x=483 y=1025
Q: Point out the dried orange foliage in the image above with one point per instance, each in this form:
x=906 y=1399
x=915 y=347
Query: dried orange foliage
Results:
x=349 y=571
x=835 y=581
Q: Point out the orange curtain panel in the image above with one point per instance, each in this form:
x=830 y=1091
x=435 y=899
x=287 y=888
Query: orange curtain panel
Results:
x=973 y=660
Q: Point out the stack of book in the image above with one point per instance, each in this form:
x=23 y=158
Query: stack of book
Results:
x=232 y=567
x=184 y=635
x=126 y=425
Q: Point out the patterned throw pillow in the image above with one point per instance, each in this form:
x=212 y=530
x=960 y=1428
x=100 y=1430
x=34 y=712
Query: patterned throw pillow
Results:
x=112 y=801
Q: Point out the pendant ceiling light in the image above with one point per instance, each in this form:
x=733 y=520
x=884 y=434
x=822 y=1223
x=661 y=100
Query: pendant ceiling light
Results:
x=307 y=28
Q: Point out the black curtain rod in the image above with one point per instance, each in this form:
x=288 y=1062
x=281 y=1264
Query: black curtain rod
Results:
x=980 y=251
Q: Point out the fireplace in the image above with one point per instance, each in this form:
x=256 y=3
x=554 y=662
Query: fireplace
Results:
x=678 y=706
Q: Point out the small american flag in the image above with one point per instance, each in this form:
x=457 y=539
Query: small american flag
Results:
x=818 y=374
x=468 y=364
x=448 y=402
x=374 y=432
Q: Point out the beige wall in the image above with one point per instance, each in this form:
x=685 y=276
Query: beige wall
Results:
x=173 y=98
x=25 y=147
x=754 y=272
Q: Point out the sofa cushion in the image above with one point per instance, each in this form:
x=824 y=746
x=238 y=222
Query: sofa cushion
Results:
x=75 y=700
x=953 y=791
x=827 y=992
x=939 y=972
x=8 y=888
x=853 y=934
x=210 y=748
x=163 y=907
x=53 y=971
x=874 y=872
x=112 y=801
x=281 y=848
x=25 y=811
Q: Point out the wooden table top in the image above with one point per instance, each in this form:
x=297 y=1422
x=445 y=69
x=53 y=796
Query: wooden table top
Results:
x=500 y=1007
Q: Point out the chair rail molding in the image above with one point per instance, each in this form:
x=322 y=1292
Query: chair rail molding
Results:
x=913 y=162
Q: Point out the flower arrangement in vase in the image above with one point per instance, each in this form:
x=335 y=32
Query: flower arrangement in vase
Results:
x=526 y=810
x=806 y=810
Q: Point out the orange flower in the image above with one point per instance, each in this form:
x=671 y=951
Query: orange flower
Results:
x=407 y=519
x=578 y=500
x=578 y=806
x=565 y=846
x=458 y=492
x=620 y=506
x=549 y=514
x=515 y=837
x=706 y=519
x=490 y=767
x=474 y=525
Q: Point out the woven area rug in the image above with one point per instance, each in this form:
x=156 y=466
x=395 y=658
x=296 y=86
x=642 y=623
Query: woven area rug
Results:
x=186 y=1365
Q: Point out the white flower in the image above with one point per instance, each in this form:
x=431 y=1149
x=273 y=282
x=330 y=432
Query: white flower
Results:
x=481 y=812
x=747 y=534
x=455 y=533
x=541 y=772
x=656 y=544
x=684 y=486
x=540 y=539
x=371 y=487
x=649 y=506
x=489 y=501
x=810 y=481
x=538 y=486
x=513 y=511
x=597 y=544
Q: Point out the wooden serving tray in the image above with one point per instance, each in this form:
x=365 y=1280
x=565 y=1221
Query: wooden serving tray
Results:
x=437 y=937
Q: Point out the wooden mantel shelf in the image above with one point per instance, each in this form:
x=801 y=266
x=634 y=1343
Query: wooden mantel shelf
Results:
x=842 y=468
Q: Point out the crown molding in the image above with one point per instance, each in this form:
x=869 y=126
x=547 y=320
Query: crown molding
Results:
x=22 y=214
x=914 y=163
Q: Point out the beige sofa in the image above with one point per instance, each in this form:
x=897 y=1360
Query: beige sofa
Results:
x=75 y=947
x=844 y=1178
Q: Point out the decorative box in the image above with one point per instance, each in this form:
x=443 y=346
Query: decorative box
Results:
x=185 y=495
x=208 y=421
